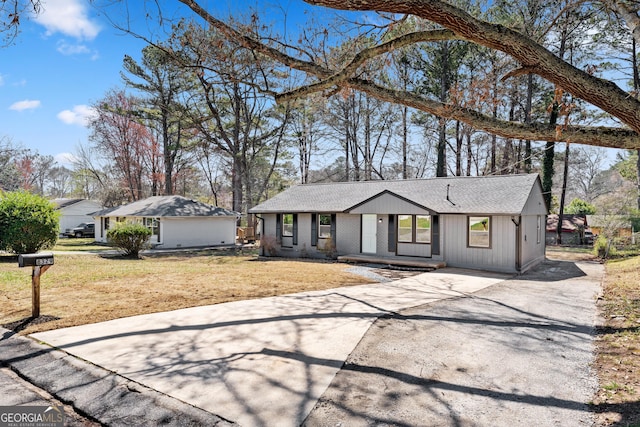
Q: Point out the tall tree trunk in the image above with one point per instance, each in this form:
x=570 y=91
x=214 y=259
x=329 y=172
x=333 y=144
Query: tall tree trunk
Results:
x=458 y=149
x=527 y=118
x=368 y=161
x=469 y=152
x=168 y=163
x=636 y=87
x=547 y=162
x=405 y=137
x=562 y=196
x=237 y=172
x=441 y=166
x=494 y=148
x=445 y=78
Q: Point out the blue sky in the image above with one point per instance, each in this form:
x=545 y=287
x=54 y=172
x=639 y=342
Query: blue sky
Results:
x=62 y=61
x=66 y=59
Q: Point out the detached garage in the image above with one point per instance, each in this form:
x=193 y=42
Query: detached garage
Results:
x=75 y=211
x=175 y=222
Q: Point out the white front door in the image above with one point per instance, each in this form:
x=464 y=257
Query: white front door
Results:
x=369 y=233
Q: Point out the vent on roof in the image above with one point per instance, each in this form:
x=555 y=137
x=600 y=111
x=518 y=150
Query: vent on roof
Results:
x=448 y=199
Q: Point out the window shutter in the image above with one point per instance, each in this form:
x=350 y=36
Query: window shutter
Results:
x=295 y=229
x=333 y=231
x=314 y=230
x=435 y=235
x=278 y=228
x=392 y=233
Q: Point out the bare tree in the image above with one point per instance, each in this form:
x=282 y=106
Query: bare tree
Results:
x=123 y=141
x=12 y=12
x=586 y=166
x=457 y=24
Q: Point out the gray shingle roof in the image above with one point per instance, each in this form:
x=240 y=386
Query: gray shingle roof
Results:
x=503 y=194
x=63 y=203
x=165 y=206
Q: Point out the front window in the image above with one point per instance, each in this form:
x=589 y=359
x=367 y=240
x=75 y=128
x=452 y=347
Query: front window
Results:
x=414 y=228
x=287 y=225
x=152 y=224
x=405 y=228
x=423 y=228
x=324 y=227
x=479 y=231
x=105 y=226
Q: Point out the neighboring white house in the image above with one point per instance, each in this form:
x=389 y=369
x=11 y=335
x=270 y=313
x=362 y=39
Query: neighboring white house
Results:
x=490 y=223
x=175 y=222
x=75 y=211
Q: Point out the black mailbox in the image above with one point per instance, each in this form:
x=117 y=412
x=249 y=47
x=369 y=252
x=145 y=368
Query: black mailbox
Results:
x=35 y=260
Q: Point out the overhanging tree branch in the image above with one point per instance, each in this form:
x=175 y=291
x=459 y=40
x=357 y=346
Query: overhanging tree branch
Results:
x=460 y=25
x=364 y=55
x=587 y=135
x=601 y=93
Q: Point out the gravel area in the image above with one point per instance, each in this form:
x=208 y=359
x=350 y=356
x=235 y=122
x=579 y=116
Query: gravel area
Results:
x=383 y=273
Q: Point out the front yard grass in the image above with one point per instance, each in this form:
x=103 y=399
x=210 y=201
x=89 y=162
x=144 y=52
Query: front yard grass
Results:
x=618 y=346
x=81 y=289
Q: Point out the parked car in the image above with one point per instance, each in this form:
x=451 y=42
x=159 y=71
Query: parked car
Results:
x=86 y=229
x=589 y=237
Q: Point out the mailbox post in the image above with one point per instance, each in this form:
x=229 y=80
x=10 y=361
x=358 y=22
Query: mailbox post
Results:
x=39 y=263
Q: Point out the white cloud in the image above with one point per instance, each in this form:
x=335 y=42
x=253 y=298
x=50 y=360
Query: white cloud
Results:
x=1 y=80
x=79 y=115
x=69 y=17
x=27 y=104
x=65 y=159
x=72 y=49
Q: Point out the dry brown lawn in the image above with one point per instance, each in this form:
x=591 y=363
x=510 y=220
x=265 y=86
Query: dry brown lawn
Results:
x=618 y=346
x=617 y=362
x=81 y=289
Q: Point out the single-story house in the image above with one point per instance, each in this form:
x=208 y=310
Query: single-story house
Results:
x=489 y=223
x=75 y=211
x=175 y=222
x=573 y=229
x=616 y=225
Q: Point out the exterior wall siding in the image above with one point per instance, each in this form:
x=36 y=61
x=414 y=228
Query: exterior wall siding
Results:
x=500 y=257
x=194 y=232
x=535 y=203
x=348 y=234
x=77 y=213
x=532 y=240
x=414 y=249
x=453 y=241
x=187 y=232
x=383 y=236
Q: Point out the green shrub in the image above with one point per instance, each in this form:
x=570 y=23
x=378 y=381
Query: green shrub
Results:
x=580 y=207
x=602 y=248
x=131 y=238
x=28 y=223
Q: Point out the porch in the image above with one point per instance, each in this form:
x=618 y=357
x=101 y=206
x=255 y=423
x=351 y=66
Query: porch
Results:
x=400 y=261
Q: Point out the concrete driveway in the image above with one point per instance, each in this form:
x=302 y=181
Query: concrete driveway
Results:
x=515 y=354
x=261 y=362
x=446 y=348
